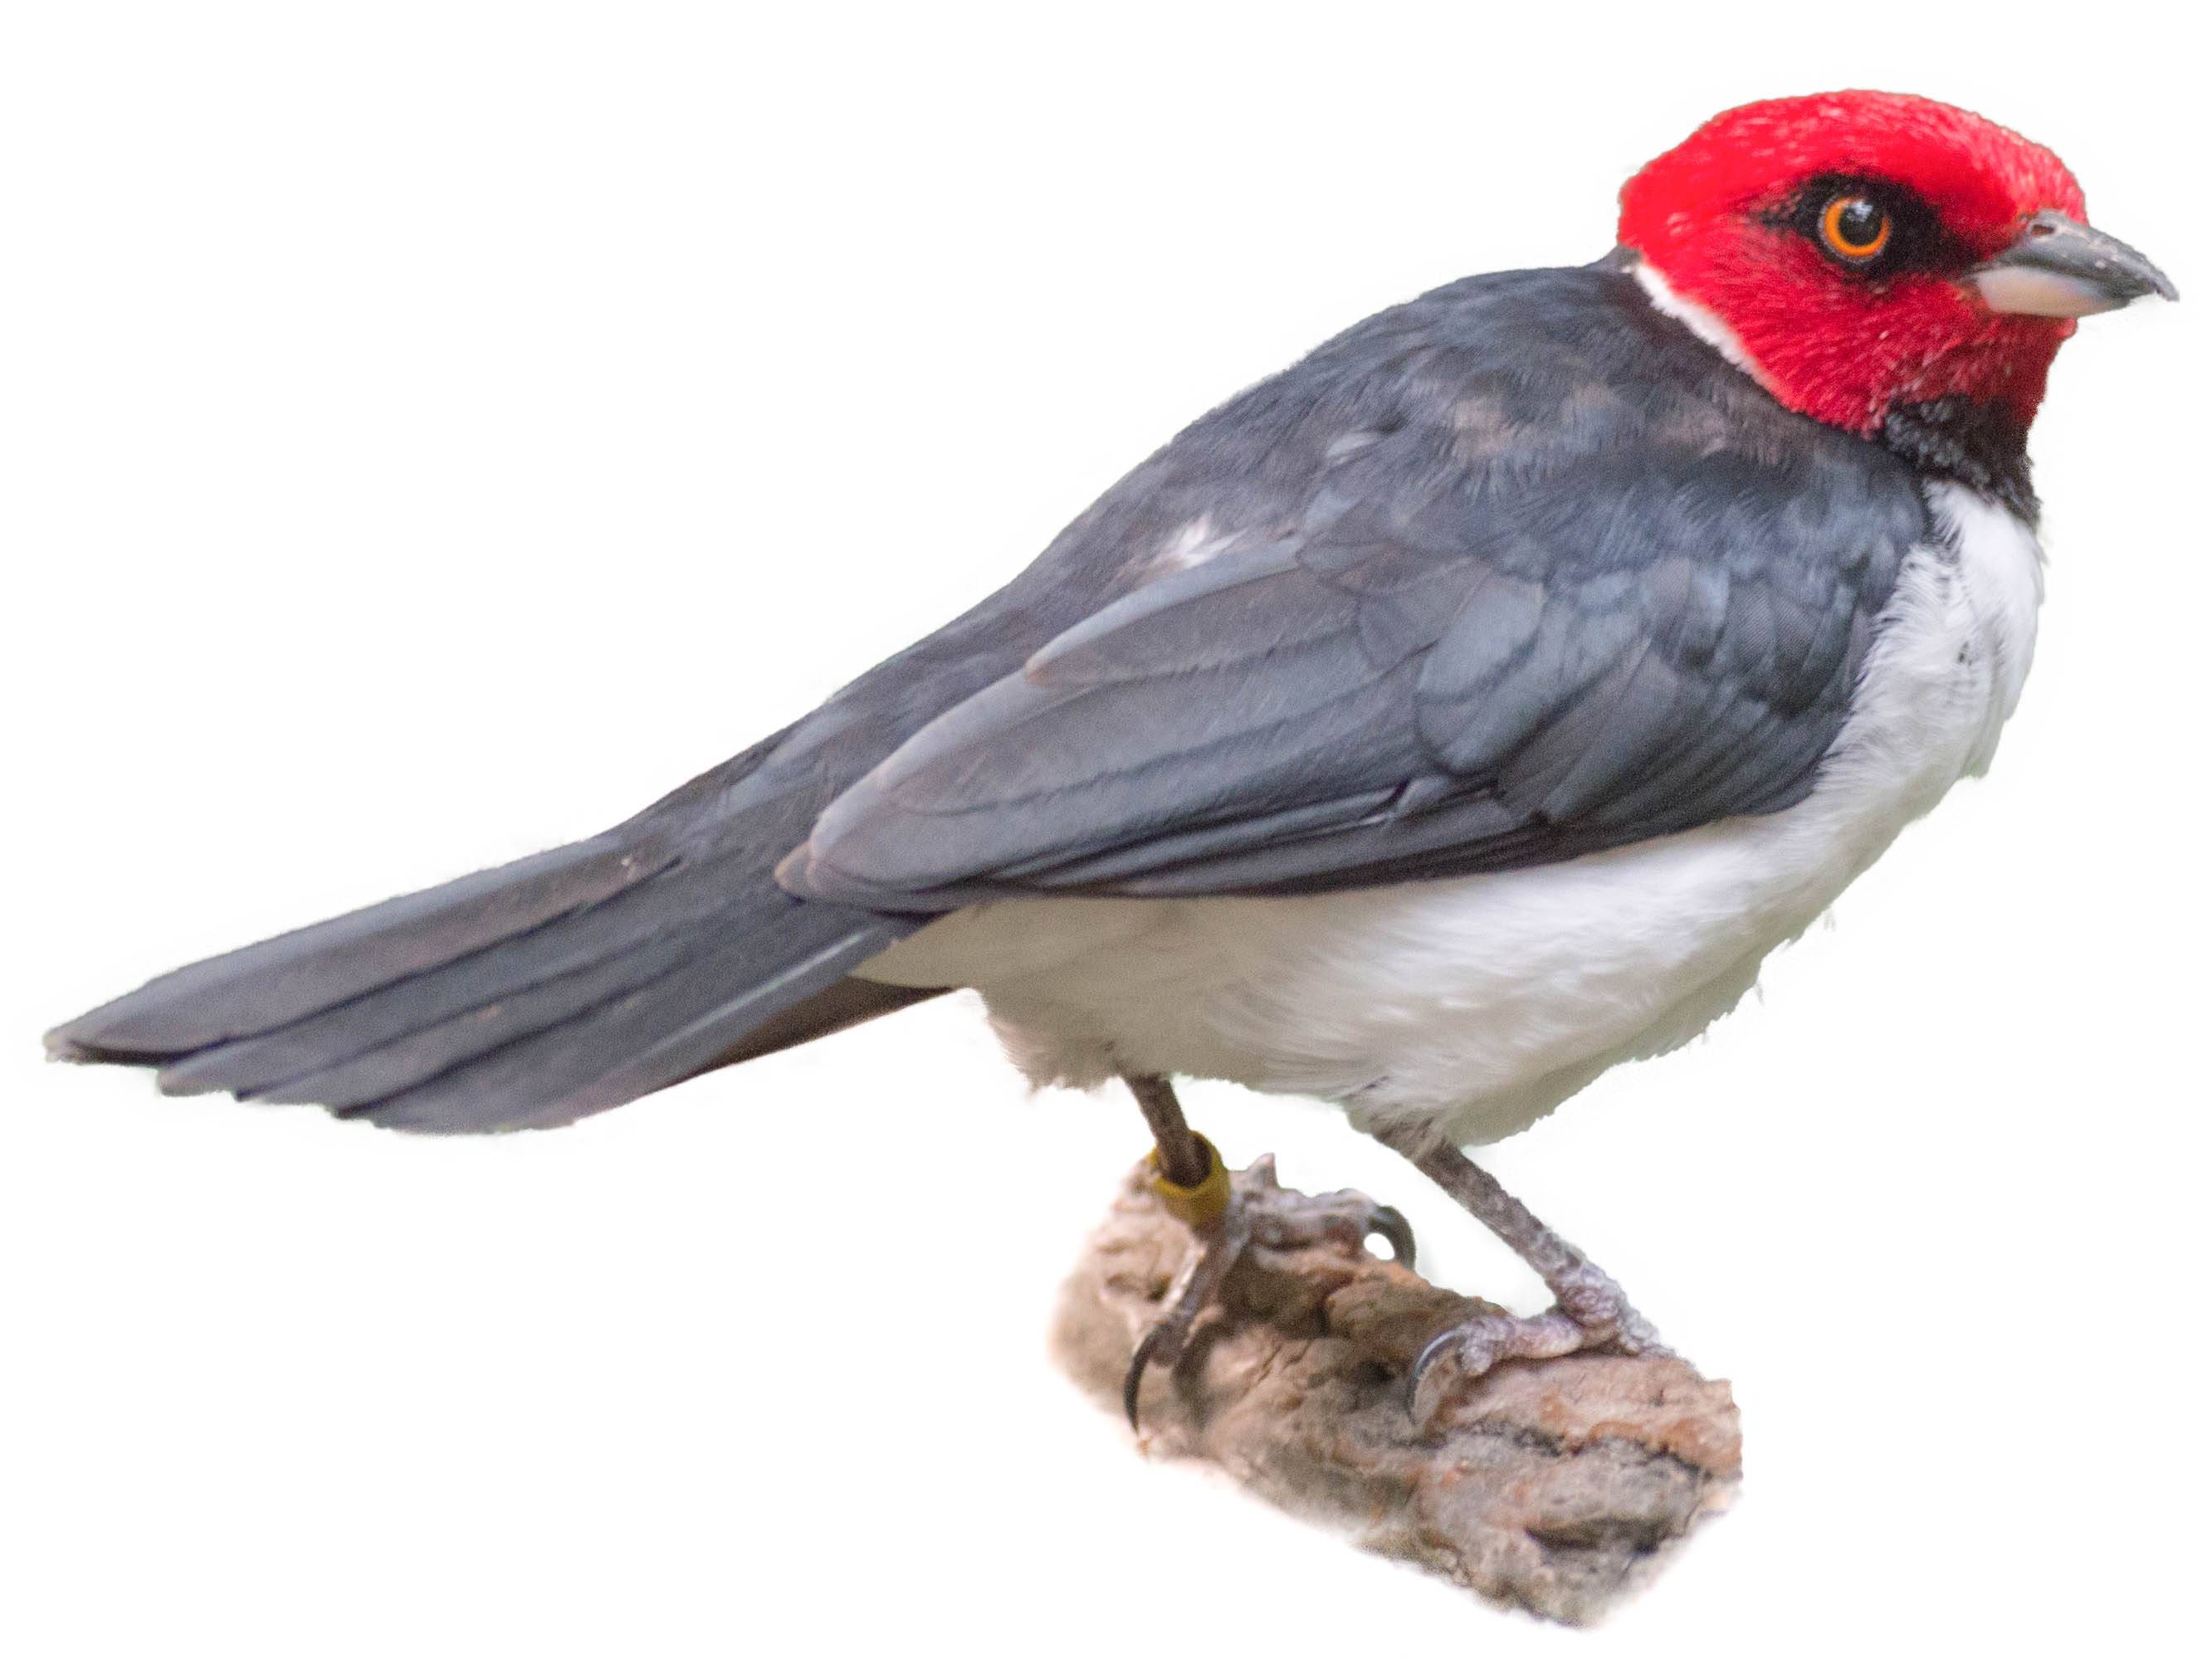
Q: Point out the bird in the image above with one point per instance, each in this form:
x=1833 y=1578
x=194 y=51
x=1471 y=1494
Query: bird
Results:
x=1465 y=710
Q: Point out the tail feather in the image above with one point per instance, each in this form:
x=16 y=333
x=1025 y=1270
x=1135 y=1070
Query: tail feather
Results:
x=521 y=997
x=586 y=976
x=642 y=1039
x=611 y=943
x=407 y=1033
x=299 y=974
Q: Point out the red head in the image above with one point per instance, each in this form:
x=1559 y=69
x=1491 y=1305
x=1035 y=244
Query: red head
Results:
x=1870 y=250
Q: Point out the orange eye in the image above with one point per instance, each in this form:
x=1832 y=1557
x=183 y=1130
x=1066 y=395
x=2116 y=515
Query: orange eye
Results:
x=1854 y=228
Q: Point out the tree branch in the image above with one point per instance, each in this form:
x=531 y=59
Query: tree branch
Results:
x=1556 y=1486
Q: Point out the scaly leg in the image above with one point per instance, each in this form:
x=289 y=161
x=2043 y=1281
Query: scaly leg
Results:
x=1230 y=1214
x=1589 y=1309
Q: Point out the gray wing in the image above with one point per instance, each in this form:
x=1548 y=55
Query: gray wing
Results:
x=1514 y=571
x=1443 y=667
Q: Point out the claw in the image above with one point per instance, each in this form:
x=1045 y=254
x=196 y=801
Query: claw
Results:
x=1134 y=1378
x=1195 y=1289
x=1432 y=1350
x=1478 y=1346
x=1592 y=1314
x=1422 y=1400
x=1258 y=1212
x=1394 y=1229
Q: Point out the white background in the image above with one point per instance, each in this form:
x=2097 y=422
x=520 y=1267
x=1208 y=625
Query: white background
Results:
x=432 y=431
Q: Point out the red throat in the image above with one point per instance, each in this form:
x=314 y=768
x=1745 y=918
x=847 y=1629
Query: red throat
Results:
x=1710 y=217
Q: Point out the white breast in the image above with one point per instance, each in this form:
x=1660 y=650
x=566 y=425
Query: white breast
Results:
x=1473 y=1006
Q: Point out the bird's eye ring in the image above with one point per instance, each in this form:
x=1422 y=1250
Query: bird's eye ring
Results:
x=1855 y=228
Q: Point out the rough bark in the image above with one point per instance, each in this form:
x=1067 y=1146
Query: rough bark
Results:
x=1555 y=1485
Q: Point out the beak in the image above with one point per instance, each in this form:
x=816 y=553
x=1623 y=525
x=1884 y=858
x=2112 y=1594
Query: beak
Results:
x=2062 y=268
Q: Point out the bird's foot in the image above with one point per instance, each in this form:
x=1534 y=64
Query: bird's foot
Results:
x=1230 y=1214
x=1591 y=1314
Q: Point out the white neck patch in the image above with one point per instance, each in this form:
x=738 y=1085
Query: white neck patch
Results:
x=1699 y=320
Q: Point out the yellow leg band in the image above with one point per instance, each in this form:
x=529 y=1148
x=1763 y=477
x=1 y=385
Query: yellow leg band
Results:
x=1199 y=1206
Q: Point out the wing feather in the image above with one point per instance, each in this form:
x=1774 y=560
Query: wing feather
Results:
x=1483 y=642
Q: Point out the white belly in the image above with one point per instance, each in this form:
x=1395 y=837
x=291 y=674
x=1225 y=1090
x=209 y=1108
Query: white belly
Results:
x=1473 y=1006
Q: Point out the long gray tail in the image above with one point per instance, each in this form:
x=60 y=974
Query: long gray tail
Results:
x=521 y=997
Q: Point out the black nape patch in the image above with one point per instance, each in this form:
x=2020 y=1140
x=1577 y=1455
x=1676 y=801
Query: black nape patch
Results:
x=1982 y=445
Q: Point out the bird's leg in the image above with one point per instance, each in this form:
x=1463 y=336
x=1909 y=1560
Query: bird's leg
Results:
x=1185 y=1157
x=1189 y=1178
x=1587 y=1310
x=1229 y=1214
